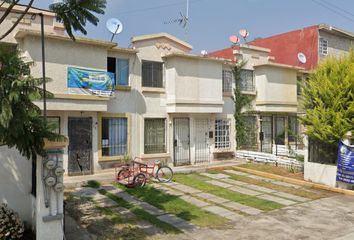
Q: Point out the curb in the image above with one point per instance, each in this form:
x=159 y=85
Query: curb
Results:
x=296 y=181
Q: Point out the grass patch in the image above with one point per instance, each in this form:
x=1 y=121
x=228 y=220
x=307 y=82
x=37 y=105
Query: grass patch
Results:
x=92 y=184
x=195 y=181
x=140 y=213
x=269 y=168
x=177 y=206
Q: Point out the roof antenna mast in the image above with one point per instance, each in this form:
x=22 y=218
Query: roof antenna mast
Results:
x=183 y=20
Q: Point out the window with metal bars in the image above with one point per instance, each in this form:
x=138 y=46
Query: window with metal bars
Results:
x=154 y=135
x=247 y=83
x=323 y=46
x=222 y=133
x=152 y=74
x=114 y=136
x=227 y=81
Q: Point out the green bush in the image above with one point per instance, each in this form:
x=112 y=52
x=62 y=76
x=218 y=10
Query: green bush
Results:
x=11 y=226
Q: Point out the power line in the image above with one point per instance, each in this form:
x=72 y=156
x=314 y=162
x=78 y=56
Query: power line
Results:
x=333 y=10
x=153 y=8
x=339 y=8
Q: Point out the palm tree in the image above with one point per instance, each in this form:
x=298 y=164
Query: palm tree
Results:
x=74 y=14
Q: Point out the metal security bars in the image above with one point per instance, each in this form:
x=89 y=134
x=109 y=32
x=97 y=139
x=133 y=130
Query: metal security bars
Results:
x=152 y=74
x=114 y=136
x=247 y=83
x=154 y=135
x=323 y=46
x=181 y=141
x=227 y=81
x=222 y=133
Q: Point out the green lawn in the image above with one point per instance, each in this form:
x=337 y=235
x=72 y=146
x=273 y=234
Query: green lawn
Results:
x=140 y=213
x=176 y=206
x=199 y=182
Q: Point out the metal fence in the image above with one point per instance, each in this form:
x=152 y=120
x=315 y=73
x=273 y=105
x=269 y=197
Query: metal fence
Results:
x=321 y=152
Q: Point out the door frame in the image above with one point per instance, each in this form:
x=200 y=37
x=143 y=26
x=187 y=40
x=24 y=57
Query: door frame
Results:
x=88 y=172
x=175 y=163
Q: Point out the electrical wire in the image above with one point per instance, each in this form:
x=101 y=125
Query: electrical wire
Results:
x=339 y=8
x=332 y=10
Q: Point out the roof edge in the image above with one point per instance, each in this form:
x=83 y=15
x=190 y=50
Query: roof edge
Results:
x=161 y=35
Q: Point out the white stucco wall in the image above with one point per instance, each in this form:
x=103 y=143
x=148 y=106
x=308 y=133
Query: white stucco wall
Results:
x=15 y=183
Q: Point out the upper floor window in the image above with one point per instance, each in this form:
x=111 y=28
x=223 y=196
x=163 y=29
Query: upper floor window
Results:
x=152 y=74
x=120 y=67
x=323 y=46
x=226 y=81
x=247 y=83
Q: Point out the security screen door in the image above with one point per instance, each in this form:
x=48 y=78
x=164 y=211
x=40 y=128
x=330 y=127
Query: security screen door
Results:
x=202 y=151
x=266 y=128
x=80 y=145
x=181 y=141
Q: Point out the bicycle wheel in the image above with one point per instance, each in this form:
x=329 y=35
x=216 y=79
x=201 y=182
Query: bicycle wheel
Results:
x=164 y=174
x=123 y=174
x=139 y=180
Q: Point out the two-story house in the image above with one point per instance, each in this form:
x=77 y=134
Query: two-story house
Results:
x=167 y=103
x=275 y=67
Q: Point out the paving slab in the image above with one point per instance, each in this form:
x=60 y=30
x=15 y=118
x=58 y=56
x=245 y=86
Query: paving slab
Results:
x=127 y=197
x=223 y=212
x=168 y=190
x=185 y=189
x=234 y=182
x=244 y=191
x=212 y=198
x=292 y=196
x=277 y=199
x=176 y=222
x=106 y=202
x=194 y=201
x=242 y=208
x=85 y=192
x=150 y=208
x=219 y=184
x=285 y=184
x=215 y=175
x=259 y=178
x=236 y=172
x=260 y=189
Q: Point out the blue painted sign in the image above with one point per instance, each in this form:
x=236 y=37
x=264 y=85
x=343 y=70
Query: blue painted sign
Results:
x=345 y=166
x=85 y=81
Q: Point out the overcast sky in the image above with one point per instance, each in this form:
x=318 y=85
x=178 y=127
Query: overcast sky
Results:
x=211 y=22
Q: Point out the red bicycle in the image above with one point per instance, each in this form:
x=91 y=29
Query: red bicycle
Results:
x=137 y=173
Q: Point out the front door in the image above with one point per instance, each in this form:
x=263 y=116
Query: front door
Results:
x=181 y=141
x=202 y=150
x=279 y=131
x=80 y=146
x=266 y=133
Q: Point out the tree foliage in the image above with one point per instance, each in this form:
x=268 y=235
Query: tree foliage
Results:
x=328 y=99
x=75 y=13
x=243 y=103
x=21 y=124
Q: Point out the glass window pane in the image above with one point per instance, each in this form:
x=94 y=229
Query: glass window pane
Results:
x=152 y=74
x=122 y=71
x=154 y=136
x=114 y=136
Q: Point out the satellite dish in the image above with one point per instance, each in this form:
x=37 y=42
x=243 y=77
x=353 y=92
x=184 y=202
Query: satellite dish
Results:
x=204 y=53
x=234 y=39
x=301 y=57
x=244 y=33
x=114 y=26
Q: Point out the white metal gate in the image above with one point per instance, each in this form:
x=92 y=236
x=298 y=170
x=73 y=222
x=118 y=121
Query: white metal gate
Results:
x=181 y=141
x=202 y=150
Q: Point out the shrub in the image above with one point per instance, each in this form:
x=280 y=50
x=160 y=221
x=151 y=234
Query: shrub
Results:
x=11 y=226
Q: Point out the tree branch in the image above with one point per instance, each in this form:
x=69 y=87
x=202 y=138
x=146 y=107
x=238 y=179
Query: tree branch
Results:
x=18 y=20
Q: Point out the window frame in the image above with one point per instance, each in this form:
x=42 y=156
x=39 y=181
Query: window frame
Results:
x=227 y=86
x=115 y=66
x=222 y=142
x=164 y=147
x=160 y=83
x=101 y=116
x=248 y=88
x=323 y=46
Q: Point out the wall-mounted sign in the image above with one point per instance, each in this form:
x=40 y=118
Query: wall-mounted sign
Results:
x=85 y=81
x=345 y=166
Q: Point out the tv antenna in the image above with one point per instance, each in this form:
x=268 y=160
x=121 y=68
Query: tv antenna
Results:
x=183 y=20
x=114 y=26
